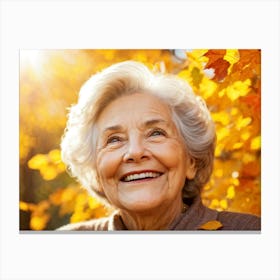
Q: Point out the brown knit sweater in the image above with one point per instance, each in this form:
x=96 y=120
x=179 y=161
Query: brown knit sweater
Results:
x=194 y=218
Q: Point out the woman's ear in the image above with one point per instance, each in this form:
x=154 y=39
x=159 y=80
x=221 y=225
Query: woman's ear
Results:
x=191 y=168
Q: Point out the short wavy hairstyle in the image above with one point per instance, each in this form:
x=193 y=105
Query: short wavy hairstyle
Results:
x=189 y=112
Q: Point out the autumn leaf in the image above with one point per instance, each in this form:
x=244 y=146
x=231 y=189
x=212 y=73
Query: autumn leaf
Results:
x=211 y=225
x=231 y=192
x=24 y=206
x=196 y=76
x=253 y=101
x=251 y=169
x=37 y=161
x=220 y=66
x=213 y=56
x=256 y=143
x=218 y=63
x=39 y=222
x=248 y=65
x=56 y=197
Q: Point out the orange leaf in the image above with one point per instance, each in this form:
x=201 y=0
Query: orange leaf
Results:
x=56 y=197
x=217 y=62
x=214 y=55
x=251 y=169
x=211 y=225
x=248 y=64
x=254 y=102
x=220 y=66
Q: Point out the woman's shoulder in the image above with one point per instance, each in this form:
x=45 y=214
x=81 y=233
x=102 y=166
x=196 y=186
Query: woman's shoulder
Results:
x=239 y=221
x=200 y=217
x=95 y=224
x=112 y=222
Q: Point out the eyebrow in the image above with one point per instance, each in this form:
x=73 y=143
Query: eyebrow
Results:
x=155 y=121
x=112 y=128
x=147 y=123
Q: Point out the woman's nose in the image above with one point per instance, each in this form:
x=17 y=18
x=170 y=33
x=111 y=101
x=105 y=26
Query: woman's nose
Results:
x=136 y=151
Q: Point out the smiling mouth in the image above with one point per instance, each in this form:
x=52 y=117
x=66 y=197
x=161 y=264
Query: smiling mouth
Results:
x=140 y=176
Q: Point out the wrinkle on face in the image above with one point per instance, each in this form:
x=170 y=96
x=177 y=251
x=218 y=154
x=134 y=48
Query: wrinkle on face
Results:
x=137 y=132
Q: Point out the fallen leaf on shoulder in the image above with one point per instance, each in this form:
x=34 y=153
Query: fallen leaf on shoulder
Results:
x=211 y=225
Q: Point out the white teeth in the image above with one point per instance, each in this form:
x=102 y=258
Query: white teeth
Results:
x=141 y=176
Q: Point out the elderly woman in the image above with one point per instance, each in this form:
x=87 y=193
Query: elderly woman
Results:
x=145 y=143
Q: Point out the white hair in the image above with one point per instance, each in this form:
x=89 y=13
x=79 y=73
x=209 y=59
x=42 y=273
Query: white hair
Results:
x=190 y=115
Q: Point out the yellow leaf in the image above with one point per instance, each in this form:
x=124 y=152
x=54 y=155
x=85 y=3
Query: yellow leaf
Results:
x=237 y=145
x=214 y=203
x=39 y=222
x=243 y=122
x=221 y=117
x=211 y=225
x=256 y=143
x=69 y=193
x=82 y=199
x=230 y=192
x=232 y=56
x=222 y=133
x=238 y=89
x=48 y=172
x=37 y=161
x=93 y=202
x=235 y=181
x=23 y=206
x=54 y=156
x=222 y=93
x=207 y=88
x=245 y=135
x=224 y=204
x=186 y=75
x=198 y=54
x=61 y=167
x=79 y=216
x=219 y=149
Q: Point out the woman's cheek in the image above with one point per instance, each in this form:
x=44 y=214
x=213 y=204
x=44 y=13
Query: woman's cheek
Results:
x=171 y=153
x=108 y=163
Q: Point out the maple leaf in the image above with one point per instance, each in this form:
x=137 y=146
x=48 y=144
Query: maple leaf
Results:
x=211 y=225
x=248 y=65
x=216 y=61
x=220 y=66
x=214 y=55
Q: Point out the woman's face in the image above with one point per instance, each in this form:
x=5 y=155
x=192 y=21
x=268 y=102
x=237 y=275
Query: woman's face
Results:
x=141 y=159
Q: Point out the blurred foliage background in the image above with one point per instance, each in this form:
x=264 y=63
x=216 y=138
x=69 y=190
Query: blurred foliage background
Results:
x=228 y=80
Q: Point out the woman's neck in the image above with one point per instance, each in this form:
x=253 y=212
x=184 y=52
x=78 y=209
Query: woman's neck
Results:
x=155 y=219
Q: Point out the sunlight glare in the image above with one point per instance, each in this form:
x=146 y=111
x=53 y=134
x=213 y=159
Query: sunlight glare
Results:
x=32 y=58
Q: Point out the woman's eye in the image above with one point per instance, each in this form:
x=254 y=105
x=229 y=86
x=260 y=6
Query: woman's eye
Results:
x=113 y=139
x=157 y=132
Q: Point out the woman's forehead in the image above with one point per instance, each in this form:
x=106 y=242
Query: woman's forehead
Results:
x=144 y=108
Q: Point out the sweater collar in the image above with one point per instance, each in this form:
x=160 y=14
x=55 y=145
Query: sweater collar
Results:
x=196 y=215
